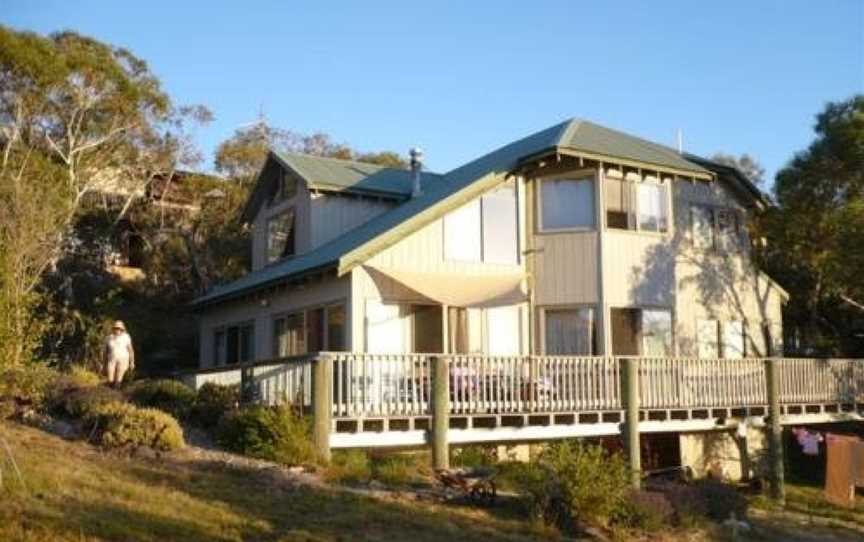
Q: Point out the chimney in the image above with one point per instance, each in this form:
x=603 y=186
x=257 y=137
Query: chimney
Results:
x=416 y=166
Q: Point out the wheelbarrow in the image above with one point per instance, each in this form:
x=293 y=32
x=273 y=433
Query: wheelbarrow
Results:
x=476 y=485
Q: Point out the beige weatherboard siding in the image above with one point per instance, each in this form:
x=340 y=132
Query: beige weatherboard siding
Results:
x=361 y=239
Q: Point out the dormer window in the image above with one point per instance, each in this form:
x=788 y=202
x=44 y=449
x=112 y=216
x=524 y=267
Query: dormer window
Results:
x=280 y=236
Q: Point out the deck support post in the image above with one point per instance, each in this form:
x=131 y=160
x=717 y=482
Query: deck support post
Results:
x=322 y=405
x=440 y=412
x=775 y=429
x=630 y=383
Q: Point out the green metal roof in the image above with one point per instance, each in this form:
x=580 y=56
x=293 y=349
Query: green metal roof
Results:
x=441 y=193
x=333 y=174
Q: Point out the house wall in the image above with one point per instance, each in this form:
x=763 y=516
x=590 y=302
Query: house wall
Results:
x=423 y=251
x=302 y=239
x=333 y=214
x=610 y=268
x=262 y=308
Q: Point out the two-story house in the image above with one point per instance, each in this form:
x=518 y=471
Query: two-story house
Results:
x=577 y=239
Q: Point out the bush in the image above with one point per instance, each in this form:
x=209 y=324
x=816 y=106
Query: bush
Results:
x=398 y=469
x=703 y=499
x=120 y=425
x=212 y=403
x=349 y=466
x=79 y=402
x=168 y=396
x=648 y=511
x=475 y=456
x=571 y=482
x=273 y=433
x=27 y=385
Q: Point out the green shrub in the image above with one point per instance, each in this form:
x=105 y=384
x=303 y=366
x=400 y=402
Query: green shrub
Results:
x=168 y=396
x=647 y=511
x=82 y=377
x=120 y=425
x=212 y=403
x=27 y=384
x=349 y=466
x=571 y=482
x=474 y=456
x=273 y=433
x=398 y=469
x=79 y=402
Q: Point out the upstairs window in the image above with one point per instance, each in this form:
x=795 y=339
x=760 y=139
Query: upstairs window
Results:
x=715 y=228
x=570 y=332
x=280 y=236
x=484 y=230
x=567 y=204
x=636 y=206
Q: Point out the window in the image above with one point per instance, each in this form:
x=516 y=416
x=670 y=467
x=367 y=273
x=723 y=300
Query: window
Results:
x=336 y=328
x=653 y=212
x=289 y=337
x=234 y=344
x=384 y=328
x=503 y=331
x=315 y=330
x=280 y=236
x=219 y=347
x=657 y=333
x=715 y=228
x=465 y=327
x=500 y=230
x=484 y=230
x=733 y=340
x=707 y=339
x=566 y=204
x=702 y=221
x=570 y=332
x=620 y=211
x=462 y=232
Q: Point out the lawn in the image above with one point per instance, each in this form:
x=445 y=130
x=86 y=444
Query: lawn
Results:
x=73 y=491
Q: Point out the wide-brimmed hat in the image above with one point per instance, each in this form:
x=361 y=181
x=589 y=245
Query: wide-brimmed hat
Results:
x=119 y=325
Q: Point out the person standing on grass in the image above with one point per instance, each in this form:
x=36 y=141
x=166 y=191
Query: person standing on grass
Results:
x=118 y=353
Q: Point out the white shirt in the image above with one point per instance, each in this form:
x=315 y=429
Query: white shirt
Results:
x=118 y=347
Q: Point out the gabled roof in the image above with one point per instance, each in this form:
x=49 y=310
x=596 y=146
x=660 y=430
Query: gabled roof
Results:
x=442 y=193
x=742 y=182
x=336 y=175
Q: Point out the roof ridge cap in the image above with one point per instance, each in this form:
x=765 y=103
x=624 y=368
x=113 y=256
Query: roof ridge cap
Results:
x=279 y=152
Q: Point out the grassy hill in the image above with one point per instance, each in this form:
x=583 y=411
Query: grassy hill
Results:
x=73 y=491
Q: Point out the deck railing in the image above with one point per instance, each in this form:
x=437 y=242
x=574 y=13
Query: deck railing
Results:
x=400 y=385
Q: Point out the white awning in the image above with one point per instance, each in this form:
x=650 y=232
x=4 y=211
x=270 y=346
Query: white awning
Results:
x=457 y=289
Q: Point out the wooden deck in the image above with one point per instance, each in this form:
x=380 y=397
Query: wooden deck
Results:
x=385 y=400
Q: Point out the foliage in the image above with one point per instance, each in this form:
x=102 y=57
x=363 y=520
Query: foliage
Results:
x=273 y=433
x=574 y=482
x=28 y=384
x=212 y=403
x=702 y=499
x=349 y=466
x=169 y=396
x=120 y=425
x=745 y=163
x=647 y=511
x=81 y=402
x=242 y=156
x=401 y=469
x=815 y=234
x=475 y=455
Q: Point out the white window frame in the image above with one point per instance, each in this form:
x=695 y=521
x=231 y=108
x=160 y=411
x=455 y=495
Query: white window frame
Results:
x=582 y=175
x=632 y=185
x=479 y=204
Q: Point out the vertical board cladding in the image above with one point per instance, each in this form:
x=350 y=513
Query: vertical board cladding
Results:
x=262 y=308
x=300 y=204
x=332 y=214
x=565 y=268
x=639 y=269
x=720 y=283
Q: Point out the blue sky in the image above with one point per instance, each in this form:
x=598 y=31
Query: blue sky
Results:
x=461 y=78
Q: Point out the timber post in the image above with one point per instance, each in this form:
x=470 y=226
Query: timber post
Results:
x=322 y=405
x=440 y=412
x=775 y=429
x=630 y=381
